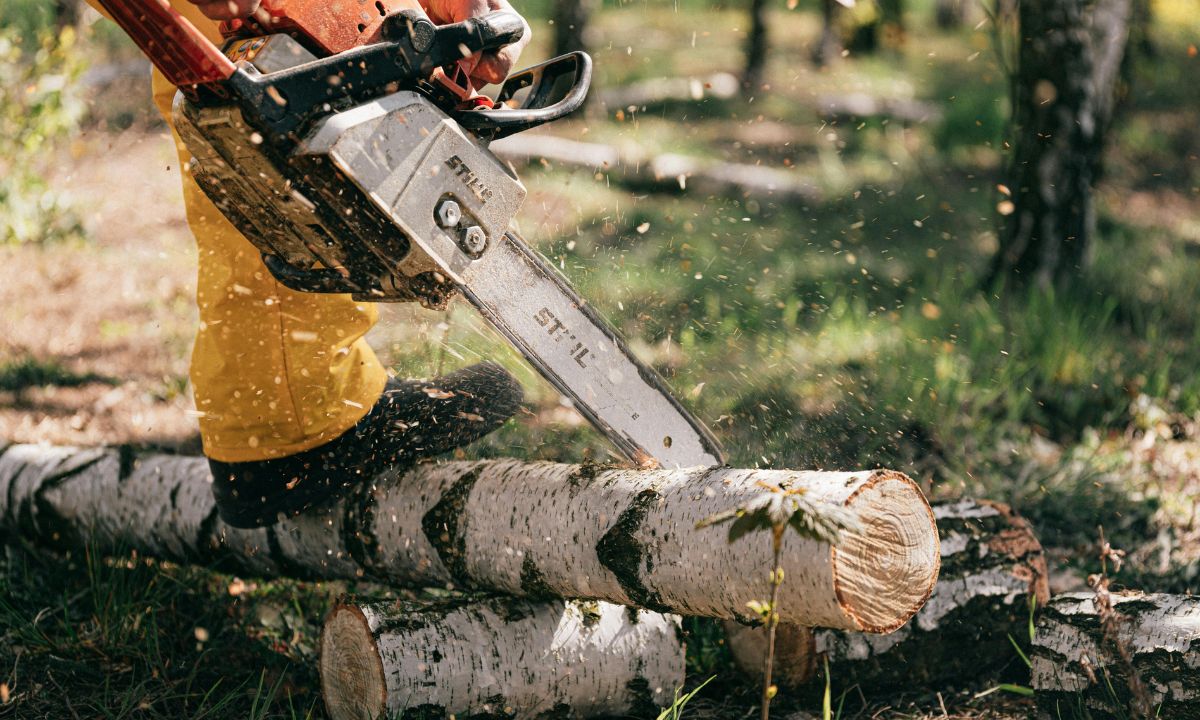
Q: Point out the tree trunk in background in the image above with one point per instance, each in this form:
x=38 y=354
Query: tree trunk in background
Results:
x=500 y=657
x=992 y=566
x=950 y=14
x=1064 y=93
x=67 y=12
x=1076 y=669
x=891 y=24
x=757 y=44
x=829 y=47
x=520 y=528
x=572 y=29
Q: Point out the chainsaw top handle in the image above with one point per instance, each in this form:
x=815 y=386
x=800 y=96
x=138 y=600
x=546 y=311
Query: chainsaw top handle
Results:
x=412 y=48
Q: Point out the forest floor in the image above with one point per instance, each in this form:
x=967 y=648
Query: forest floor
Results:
x=844 y=333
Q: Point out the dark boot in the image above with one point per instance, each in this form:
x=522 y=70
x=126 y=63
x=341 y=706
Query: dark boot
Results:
x=412 y=419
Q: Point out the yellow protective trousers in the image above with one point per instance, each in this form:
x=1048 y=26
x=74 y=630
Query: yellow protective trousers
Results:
x=274 y=371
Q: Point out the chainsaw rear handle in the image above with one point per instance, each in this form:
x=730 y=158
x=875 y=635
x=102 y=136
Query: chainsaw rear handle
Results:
x=534 y=96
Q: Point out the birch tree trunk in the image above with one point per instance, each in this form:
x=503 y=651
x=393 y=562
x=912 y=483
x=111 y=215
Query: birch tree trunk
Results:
x=498 y=658
x=1077 y=669
x=992 y=566
x=1064 y=93
x=527 y=529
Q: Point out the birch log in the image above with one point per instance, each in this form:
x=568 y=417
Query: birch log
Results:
x=992 y=565
x=528 y=529
x=503 y=657
x=1076 y=669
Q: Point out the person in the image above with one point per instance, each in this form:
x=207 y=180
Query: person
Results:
x=294 y=407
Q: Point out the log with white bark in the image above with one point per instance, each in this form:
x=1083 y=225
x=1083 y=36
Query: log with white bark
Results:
x=532 y=529
x=662 y=172
x=502 y=657
x=1076 y=668
x=992 y=566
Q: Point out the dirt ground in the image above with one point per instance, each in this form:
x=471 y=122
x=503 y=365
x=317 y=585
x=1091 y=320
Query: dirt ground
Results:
x=117 y=311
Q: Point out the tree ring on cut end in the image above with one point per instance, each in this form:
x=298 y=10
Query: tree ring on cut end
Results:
x=352 y=680
x=884 y=575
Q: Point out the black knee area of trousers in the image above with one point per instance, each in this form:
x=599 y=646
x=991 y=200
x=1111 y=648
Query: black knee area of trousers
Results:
x=412 y=419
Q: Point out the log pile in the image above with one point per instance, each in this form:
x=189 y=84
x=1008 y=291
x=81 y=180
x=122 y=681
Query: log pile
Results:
x=1078 y=671
x=992 y=566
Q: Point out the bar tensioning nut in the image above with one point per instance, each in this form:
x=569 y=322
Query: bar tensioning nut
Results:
x=448 y=213
x=474 y=240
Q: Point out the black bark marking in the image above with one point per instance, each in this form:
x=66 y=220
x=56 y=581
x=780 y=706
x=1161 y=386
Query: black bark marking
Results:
x=624 y=555
x=358 y=530
x=127 y=458
x=642 y=703
x=283 y=563
x=49 y=524
x=533 y=583
x=445 y=529
x=207 y=545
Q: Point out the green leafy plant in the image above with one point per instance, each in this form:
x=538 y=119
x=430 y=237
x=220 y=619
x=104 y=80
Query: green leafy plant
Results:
x=39 y=107
x=776 y=510
x=674 y=711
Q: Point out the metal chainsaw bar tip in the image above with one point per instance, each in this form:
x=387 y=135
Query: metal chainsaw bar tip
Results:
x=533 y=307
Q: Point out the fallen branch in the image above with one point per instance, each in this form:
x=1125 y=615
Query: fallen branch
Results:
x=992 y=565
x=498 y=658
x=665 y=172
x=860 y=106
x=532 y=529
x=1076 y=670
x=654 y=91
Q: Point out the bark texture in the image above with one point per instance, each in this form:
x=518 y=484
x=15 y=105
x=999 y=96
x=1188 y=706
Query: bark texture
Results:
x=1076 y=669
x=498 y=658
x=1064 y=94
x=991 y=566
x=526 y=529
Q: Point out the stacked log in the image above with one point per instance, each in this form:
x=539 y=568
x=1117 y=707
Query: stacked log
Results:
x=992 y=568
x=1079 y=671
x=538 y=530
x=502 y=657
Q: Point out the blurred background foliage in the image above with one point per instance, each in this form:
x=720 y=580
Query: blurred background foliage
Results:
x=875 y=323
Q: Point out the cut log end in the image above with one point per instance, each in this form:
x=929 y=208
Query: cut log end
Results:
x=884 y=574
x=352 y=680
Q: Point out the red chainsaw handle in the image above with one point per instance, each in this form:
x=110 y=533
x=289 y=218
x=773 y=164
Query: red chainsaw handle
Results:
x=174 y=45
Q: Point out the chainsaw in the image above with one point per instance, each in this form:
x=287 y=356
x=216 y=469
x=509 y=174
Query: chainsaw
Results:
x=346 y=142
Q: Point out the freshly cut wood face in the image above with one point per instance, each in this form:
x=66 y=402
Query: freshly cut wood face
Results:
x=352 y=681
x=885 y=573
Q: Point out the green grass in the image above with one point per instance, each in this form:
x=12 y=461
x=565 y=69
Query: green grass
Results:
x=27 y=372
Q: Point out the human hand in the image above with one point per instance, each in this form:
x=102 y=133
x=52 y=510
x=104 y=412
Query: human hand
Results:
x=226 y=9
x=489 y=67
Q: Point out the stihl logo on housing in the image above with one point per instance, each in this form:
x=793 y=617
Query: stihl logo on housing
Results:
x=469 y=178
